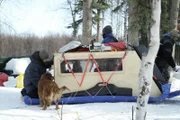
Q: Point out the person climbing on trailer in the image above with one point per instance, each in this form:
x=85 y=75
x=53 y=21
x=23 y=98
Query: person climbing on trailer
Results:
x=164 y=57
x=108 y=35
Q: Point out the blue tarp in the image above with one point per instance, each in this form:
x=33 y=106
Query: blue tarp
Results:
x=94 y=99
x=174 y=94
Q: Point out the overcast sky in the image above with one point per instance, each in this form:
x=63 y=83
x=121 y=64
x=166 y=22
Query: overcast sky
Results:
x=39 y=17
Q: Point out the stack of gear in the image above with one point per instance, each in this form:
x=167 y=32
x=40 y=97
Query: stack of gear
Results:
x=98 y=47
x=3 y=78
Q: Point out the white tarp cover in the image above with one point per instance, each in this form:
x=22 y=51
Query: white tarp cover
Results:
x=71 y=45
x=17 y=65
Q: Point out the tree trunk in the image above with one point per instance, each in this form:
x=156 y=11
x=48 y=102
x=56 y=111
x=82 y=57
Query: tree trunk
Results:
x=132 y=28
x=146 y=72
x=98 y=25
x=118 y=21
x=102 y=24
x=174 y=22
x=174 y=13
x=111 y=14
x=74 y=25
x=125 y=23
x=165 y=16
x=87 y=22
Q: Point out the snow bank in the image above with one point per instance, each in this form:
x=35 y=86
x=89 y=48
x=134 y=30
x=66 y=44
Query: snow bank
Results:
x=18 y=65
x=11 y=82
x=177 y=75
x=175 y=81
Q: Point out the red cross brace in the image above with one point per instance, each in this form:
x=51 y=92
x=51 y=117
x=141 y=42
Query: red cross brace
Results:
x=99 y=72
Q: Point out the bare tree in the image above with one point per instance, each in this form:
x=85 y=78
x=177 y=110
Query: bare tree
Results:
x=87 y=21
x=146 y=72
x=98 y=24
x=74 y=12
x=5 y=17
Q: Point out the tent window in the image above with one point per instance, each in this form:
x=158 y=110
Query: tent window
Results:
x=78 y=66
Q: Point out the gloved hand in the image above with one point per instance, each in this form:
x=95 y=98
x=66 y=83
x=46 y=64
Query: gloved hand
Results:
x=174 y=69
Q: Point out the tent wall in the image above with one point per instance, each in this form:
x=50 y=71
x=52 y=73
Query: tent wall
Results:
x=127 y=78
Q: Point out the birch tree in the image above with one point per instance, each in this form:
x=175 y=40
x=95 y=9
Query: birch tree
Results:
x=87 y=21
x=146 y=71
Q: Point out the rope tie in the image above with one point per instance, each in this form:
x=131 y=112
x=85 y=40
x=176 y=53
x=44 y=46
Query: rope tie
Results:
x=99 y=72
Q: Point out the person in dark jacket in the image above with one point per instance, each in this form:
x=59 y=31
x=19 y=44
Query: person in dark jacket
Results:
x=38 y=65
x=107 y=64
x=107 y=35
x=164 y=57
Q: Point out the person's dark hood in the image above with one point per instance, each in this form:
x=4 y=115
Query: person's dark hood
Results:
x=167 y=35
x=35 y=57
x=107 y=35
x=107 y=29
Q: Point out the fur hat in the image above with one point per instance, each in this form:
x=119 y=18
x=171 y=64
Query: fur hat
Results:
x=175 y=33
x=43 y=55
x=107 y=29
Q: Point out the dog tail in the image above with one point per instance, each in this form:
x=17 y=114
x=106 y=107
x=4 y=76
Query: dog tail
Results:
x=64 y=88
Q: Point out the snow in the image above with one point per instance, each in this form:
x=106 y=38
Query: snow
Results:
x=11 y=82
x=12 y=107
x=18 y=65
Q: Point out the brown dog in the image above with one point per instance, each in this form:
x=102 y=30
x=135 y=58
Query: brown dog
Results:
x=48 y=91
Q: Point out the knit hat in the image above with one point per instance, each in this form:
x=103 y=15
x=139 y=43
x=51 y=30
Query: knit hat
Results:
x=175 y=33
x=43 y=55
x=107 y=29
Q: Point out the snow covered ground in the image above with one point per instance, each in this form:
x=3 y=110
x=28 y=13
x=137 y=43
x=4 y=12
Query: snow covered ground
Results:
x=12 y=107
